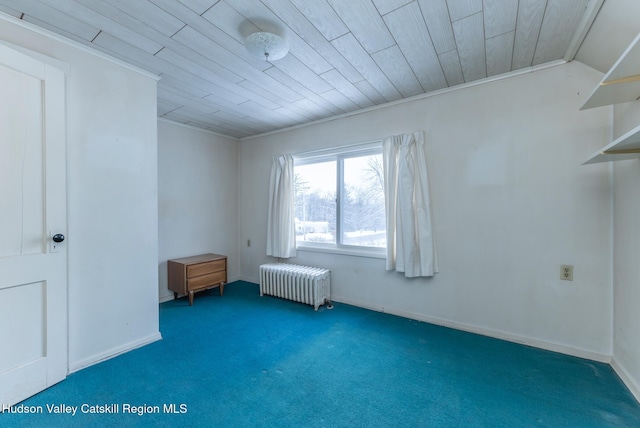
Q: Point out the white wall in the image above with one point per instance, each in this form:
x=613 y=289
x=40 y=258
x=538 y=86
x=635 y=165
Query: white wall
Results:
x=511 y=203
x=197 y=190
x=112 y=198
x=626 y=255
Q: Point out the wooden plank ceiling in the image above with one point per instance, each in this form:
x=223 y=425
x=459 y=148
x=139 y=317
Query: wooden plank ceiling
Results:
x=345 y=55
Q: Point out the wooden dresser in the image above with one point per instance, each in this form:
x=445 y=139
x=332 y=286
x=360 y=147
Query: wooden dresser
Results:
x=189 y=275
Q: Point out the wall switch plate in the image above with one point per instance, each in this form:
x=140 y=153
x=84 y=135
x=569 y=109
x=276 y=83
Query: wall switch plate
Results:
x=566 y=272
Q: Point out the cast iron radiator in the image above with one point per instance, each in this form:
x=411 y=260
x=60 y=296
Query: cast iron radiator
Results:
x=303 y=284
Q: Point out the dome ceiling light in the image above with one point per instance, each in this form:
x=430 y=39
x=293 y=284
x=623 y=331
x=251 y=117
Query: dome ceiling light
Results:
x=265 y=45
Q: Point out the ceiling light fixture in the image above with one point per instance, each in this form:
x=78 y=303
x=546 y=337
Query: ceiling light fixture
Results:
x=269 y=46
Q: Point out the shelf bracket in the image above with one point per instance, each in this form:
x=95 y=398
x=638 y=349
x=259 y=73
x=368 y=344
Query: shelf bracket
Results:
x=621 y=80
x=621 y=152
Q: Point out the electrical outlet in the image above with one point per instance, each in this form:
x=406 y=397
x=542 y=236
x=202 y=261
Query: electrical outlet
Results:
x=566 y=272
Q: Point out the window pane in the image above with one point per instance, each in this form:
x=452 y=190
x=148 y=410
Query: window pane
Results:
x=315 y=189
x=363 y=202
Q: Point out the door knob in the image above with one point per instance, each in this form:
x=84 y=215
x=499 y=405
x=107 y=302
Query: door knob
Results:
x=58 y=237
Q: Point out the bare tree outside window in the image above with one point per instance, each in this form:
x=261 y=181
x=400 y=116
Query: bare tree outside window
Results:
x=345 y=208
x=363 y=222
x=315 y=207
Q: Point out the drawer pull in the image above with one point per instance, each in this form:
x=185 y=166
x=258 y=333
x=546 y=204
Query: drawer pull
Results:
x=205 y=268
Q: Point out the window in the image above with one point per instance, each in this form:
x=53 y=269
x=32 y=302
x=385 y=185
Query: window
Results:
x=339 y=199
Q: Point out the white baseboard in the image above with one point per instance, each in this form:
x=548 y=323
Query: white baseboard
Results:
x=113 y=352
x=497 y=334
x=166 y=298
x=248 y=279
x=628 y=380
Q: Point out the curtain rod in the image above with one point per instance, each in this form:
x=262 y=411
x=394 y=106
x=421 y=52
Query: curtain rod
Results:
x=334 y=149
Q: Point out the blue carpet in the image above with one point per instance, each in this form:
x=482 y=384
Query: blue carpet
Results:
x=248 y=361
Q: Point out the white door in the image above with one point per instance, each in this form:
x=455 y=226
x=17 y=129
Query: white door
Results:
x=33 y=268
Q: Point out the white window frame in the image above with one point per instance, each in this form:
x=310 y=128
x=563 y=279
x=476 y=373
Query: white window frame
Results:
x=339 y=154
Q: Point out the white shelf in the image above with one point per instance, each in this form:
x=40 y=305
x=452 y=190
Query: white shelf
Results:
x=625 y=147
x=622 y=83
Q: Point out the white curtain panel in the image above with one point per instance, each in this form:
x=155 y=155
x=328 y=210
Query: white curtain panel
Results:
x=410 y=242
x=281 y=234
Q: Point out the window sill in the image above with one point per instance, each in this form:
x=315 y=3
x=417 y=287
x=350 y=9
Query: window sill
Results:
x=374 y=253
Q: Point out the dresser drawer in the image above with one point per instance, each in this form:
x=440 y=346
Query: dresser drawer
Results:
x=205 y=268
x=206 y=280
